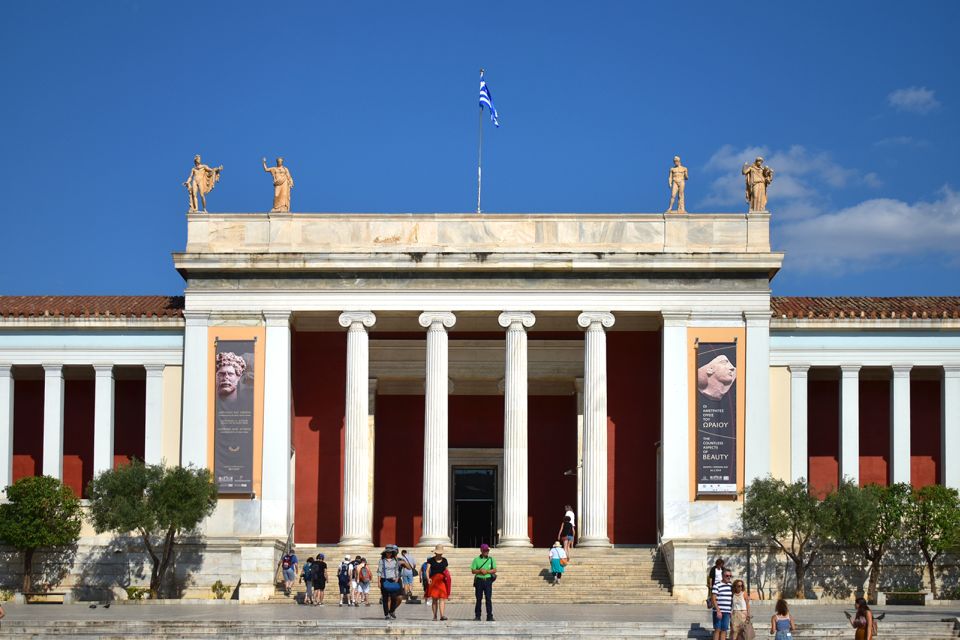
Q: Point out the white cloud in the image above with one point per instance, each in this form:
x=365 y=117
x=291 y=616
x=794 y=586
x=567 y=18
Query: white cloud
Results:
x=880 y=229
x=902 y=141
x=913 y=100
x=800 y=176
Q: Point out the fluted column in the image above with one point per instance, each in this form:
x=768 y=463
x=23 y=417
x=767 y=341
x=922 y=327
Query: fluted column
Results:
x=798 y=421
x=196 y=370
x=674 y=506
x=850 y=422
x=357 y=503
x=594 y=518
x=436 y=492
x=950 y=427
x=153 y=418
x=757 y=437
x=6 y=427
x=515 y=450
x=900 y=429
x=53 y=420
x=103 y=421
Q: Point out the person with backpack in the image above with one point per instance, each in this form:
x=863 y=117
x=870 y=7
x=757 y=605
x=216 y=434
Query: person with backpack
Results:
x=289 y=565
x=319 y=579
x=355 y=595
x=343 y=581
x=714 y=576
x=484 y=570
x=363 y=583
x=407 y=576
x=306 y=576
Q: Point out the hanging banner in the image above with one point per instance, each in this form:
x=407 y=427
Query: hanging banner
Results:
x=716 y=418
x=233 y=416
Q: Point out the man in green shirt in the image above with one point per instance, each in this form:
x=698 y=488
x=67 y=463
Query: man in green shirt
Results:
x=484 y=570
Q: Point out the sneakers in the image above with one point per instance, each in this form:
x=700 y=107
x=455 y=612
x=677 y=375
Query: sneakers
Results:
x=393 y=615
x=489 y=619
x=476 y=619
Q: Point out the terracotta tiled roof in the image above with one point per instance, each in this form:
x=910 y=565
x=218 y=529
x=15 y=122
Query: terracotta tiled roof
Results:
x=91 y=306
x=906 y=307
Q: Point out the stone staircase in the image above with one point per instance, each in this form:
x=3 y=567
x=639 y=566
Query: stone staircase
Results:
x=329 y=629
x=623 y=576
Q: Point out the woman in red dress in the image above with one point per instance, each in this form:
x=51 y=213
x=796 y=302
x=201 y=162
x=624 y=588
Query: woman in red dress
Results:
x=438 y=588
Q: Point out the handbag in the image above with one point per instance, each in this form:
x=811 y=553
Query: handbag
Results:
x=391 y=587
x=748 y=633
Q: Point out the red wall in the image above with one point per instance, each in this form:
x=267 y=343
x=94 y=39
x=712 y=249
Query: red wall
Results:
x=27 y=428
x=633 y=430
x=130 y=397
x=318 y=370
x=925 y=407
x=552 y=446
x=398 y=470
x=78 y=397
x=874 y=432
x=823 y=435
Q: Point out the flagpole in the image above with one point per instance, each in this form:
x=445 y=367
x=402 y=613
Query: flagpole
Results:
x=479 y=149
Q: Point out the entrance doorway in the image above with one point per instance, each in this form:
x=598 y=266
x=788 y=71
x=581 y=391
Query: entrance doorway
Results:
x=474 y=506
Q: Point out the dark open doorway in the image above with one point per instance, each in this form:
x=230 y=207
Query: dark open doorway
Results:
x=474 y=506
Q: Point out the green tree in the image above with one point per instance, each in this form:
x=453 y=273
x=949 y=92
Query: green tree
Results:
x=41 y=512
x=933 y=523
x=868 y=519
x=158 y=503
x=788 y=516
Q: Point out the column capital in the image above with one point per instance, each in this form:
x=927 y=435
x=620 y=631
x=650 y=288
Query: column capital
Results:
x=798 y=370
x=675 y=318
x=154 y=369
x=52 y=369
x=429 y=318
x=103 y=369
x=350 y=318
x=901 y=370
x=850 y=370
x=6 y=369
x=277 y=318
x=757 y=318
x=196 y=318
x=588 y=319
x=524 y=318
x=951 y=371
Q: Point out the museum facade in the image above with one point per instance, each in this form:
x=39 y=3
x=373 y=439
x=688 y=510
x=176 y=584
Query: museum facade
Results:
x=362 y=379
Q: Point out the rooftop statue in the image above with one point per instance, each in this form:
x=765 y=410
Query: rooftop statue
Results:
x=282 y=184
x=758 y=177
x=677 y=181
x=200 y=182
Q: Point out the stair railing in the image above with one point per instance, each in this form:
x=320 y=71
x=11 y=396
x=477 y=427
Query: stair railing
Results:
x=286 y=550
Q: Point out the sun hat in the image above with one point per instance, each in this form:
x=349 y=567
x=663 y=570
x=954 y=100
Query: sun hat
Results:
x=484 y=547
x=556 y=544
x=346 y=558
x=438 y=550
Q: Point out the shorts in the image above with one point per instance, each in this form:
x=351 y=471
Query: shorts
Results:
x=344 y=588
x=320 y=585
x=289 y=574
x=353 y=585
x=570 y=538
x=363 y=587
x=406 y=580
x=722 y=623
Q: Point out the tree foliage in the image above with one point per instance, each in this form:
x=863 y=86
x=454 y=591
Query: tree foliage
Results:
x=158 y=503
x=41 y=512
x=868 y=519
x=790 y=517
x=933 y=524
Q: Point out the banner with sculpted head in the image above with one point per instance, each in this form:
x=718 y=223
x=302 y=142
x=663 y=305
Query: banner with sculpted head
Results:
x=716 y=419
x=233 y=416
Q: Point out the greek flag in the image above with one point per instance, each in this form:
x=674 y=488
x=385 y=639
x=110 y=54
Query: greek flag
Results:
x=485 y=99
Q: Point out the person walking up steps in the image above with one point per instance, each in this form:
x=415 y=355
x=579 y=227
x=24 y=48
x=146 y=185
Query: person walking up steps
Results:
x=363 y=583
x=319 y=579
x=343 y=581
x=566 y=535
x=558 y=562
x=289 y=565
x=781 y=623
x=306 y=576
x=407 y=576
x=484 y=570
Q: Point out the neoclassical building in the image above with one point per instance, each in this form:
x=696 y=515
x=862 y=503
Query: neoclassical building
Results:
x=360 y=379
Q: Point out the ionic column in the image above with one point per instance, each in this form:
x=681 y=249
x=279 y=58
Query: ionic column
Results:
x=900 y=431
x=436 y=493
x=515 y=450
x=594 y=518
x=757 y=435
x=275 y=477
x=153 y=418
x=357 y=503
x=674 y=508
x=6 y=427
x=53 y=420
x=850 y=422
x=196 y=371
x=103 y=418
x=950 y=427
x=798 y=421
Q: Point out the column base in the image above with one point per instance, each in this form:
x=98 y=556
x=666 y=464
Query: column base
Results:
x=432 y=542
x=594 y=542
x=355 y=541
x=514 y=542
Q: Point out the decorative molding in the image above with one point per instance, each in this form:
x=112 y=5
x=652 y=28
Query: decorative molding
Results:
x=901 y=370
x=798 y=370
x=588 y=318
x=154 y=369
x=850 y=370
x=275 y=318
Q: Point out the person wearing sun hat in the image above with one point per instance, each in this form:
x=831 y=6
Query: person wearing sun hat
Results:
x=484 y=570
x=391 y=590
x=558 y=561
x=439 y=589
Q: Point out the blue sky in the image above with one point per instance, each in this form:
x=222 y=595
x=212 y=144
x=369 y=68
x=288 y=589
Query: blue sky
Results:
x=374 y=106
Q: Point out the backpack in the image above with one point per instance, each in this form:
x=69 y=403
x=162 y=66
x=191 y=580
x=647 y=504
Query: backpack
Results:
x=343 y=573
x=364 y=574
x=287 y=561
x=307 y=573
